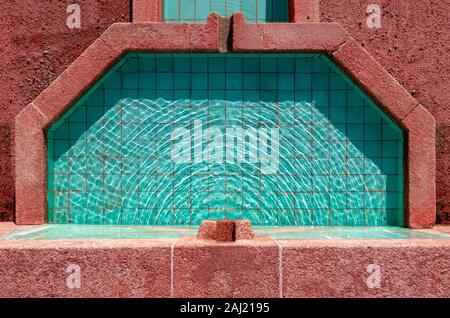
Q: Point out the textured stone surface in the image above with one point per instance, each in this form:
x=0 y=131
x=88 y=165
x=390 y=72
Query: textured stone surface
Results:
x=317 y=37
x=37 y=46
x=117 y=40
x=412 y=46
x=304 y=11
x=31 y=152
x=215 y=269
x=108 y=268
x=421 y=168
x=164 y=37
x=207 y=230
x=339 y=268
x=249 y=268
x=147 y=10
x=379 y=84
x=77 y=79
x=226 y=230
x=244 y=230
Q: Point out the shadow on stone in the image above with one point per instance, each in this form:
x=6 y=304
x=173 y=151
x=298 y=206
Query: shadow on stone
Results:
x=225 y=230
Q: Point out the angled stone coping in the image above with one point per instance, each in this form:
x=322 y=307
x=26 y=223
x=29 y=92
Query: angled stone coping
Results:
x=32 y=123
x=329 y=38
x=417 y=123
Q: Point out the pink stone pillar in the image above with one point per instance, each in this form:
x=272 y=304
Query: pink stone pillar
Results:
x=304 y=11
x=147 y=11
x=30 y=169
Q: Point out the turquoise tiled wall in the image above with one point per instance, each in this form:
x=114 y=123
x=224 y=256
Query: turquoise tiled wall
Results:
x=110 y=157
x=198 y=10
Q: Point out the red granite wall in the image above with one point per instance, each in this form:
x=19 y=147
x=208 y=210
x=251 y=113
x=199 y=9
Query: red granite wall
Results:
x=413 y=44
x=35 y=47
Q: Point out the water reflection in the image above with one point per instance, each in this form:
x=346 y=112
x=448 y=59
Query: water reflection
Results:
x=338 y=160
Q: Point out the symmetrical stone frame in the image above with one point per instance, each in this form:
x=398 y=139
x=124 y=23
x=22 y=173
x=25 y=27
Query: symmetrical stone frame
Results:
x=149 y=34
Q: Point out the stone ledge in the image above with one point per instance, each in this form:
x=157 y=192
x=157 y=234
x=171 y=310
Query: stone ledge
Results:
x=408 y=268
x=378 y=83
x=225 y=230
x=188 y=267
x=286 y=37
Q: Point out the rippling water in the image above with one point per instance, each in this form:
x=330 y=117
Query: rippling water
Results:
x=119 y=169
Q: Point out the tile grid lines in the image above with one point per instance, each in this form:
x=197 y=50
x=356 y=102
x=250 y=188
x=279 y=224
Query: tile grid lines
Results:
x=225 y=145
x=346 y=155
x=364 y=177
x=296 y=216
x=69 y=194
x=190 y=166
x=104 y=165
x=311 y=149
x=121 y=143
x=86 y=161
x=277 y=124
x=122 y=122
x=172 y=149
x=271 y=16
x=139 y=212
x=328 y=150
x=243 y=194
x=381 y=181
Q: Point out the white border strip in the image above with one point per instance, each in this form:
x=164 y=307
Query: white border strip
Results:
x=21 y=233
x=172 y=256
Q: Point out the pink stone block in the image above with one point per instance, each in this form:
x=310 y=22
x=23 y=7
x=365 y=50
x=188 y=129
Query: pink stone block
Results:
x=237 y=269
x=30 y=167
x=286 y=37
x=304 y=11
x=225 y=230
x=407 y=268
x=108 y=268
x=147 y=11
x=76 y=80
x=379 y=84
x=421 y=168
x=207 y=230
x=164 y=37
x=244 y=230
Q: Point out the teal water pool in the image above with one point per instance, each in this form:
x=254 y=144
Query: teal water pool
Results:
x=53 y=231
x=174 y=139
x=258 y=11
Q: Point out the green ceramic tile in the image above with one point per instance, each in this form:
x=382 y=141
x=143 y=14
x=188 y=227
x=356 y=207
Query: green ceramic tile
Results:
x=339 y=159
